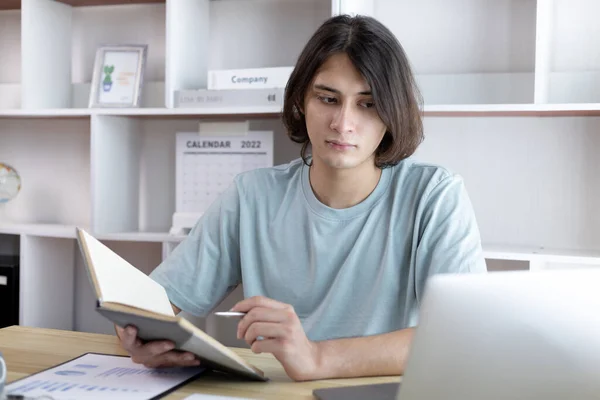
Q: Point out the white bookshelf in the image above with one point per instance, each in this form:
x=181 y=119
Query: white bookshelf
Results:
x=511 y=103
x=41 y=230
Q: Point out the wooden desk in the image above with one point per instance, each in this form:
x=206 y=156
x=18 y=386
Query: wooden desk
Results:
x=29 y=350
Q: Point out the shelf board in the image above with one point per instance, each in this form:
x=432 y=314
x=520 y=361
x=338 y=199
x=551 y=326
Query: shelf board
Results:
x=16 y=4
x=240 y=112
x=46 y=113
x=44 y=230
x=513 y=110
x=230 y=112
x=491 y=251
x=525 y=253
x=460 y=110
x=68 y=231
x=140 y=237
x=84 y=3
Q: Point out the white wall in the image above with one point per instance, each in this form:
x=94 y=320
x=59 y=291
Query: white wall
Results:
x=260 y=33
x=574 y=61
x=463 y=36
x=575 y=32
x=532 y=180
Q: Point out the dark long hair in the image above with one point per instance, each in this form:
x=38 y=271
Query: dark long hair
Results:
x=379 y=57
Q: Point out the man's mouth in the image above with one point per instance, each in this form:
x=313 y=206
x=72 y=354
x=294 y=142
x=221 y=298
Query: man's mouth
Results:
x=339 y=145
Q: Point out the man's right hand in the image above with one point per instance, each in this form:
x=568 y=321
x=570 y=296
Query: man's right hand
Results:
x=155 y=354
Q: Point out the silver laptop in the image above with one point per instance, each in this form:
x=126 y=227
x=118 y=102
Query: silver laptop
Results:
x=504 y=335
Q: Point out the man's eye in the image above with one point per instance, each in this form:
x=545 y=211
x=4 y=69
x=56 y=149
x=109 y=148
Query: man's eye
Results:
x=367 y=104
x=327 y=100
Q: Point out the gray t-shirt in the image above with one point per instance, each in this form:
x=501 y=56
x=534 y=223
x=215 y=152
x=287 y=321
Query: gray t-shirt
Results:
x=347 y=272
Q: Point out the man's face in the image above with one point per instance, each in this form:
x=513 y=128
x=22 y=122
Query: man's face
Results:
x=342 y=123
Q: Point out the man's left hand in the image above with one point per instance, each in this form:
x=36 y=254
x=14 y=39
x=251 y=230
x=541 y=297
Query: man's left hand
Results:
x=270 y=326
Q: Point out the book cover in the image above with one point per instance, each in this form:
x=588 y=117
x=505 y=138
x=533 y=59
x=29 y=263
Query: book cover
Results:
x=250 y=78
x=204 y=98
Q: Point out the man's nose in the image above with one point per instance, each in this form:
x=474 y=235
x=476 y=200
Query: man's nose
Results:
x=344 y=119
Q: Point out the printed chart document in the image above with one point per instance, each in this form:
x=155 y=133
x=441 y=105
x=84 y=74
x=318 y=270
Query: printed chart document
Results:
x=102 y=376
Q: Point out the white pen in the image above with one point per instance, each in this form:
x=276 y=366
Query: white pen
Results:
x=230 y=314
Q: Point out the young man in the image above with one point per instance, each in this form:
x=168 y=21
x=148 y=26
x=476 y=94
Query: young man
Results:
x=333 y=249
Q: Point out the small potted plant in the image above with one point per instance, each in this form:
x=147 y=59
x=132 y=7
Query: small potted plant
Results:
x=107 y=83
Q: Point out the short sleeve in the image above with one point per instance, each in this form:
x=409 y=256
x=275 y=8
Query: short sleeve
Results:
x=449 y=238
x=205 y=266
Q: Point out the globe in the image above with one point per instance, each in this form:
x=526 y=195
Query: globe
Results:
x=10 y=183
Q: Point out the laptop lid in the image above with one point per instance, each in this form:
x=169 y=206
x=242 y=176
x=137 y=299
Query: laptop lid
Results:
x=507 y=335
x=380 y=391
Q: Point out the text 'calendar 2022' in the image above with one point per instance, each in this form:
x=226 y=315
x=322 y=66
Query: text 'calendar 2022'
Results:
x=207 y=165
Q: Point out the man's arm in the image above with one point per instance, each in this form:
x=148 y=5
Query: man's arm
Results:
x=282 y=335
x=377 y=355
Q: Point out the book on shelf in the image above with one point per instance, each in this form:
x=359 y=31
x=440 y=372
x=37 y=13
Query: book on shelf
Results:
x=127 y=296
x=204 y=98
x=249 y=78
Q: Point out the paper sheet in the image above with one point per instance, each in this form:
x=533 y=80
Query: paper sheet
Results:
x=100 y=376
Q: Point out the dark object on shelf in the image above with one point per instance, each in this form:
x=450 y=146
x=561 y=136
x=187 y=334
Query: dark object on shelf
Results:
x=9 y=291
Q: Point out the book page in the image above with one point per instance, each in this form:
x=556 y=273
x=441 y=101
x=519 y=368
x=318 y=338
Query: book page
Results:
x=121 y=282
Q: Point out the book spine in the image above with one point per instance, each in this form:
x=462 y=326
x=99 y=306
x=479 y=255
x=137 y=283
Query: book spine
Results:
x=256 y=78
x=228 y=98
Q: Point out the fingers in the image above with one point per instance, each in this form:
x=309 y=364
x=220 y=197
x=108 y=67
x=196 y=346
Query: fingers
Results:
x=262 y=314
x=129 y=339
x=152 y=349
x=172 y=359
x=154 y=354
x=258 y=301
x=266 y=330
x=119 y=331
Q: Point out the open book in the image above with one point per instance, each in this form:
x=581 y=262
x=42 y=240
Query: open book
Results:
x=127 y=296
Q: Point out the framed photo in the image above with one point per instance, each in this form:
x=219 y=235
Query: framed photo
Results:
x=118 y=76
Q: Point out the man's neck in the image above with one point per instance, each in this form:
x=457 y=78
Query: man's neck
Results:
x=343 y=187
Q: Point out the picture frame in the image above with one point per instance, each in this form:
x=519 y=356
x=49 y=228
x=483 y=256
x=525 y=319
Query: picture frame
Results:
x=118 y=75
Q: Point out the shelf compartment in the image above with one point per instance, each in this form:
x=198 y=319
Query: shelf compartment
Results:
x=10 y=67
x=133 y=170
x=64 y=39
x=573 y=38
x=466 y=51
x=53 y=161
x=202 y=34
x=47 y=282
